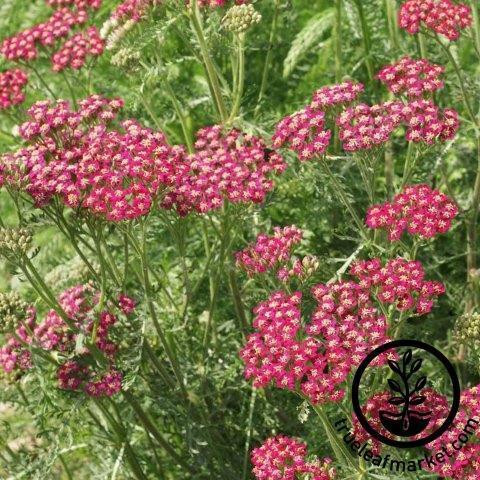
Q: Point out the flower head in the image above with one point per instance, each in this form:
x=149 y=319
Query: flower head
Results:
x=284 y=458
x=418 y=209
x=441 y=16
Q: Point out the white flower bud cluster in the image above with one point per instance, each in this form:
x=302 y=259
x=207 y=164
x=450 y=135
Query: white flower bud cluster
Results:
x=15 y=240
x=112 y=32
x=12 y=311
x=126 y=58
x=239 y=18
x=310 y=264
x=467 y=328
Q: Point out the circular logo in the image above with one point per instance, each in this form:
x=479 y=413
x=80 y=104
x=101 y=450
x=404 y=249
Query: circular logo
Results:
x=406 y=415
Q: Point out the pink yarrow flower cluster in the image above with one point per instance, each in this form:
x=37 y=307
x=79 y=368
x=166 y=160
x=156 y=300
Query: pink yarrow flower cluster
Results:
x=76 y=49
x=463 y=464
x=12 y=84
x=318 y=355
x=284 y=458
x=304 y=132
x=78 y=157
x=441 y=16
x=427 y=123
x=132 y=9
x=413 y=77
x=418 y=210
x=399 y=282
x=231 y=166
x=269 y=252
x=363 y=127
x=68 y=14
x=80 y=4
x=55 y=334
x=434 y=403
x=15 y=357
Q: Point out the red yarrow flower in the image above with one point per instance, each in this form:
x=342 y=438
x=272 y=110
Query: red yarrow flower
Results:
x=413 y=77
x=284 y=458
x=440 y=16
x=418 y=210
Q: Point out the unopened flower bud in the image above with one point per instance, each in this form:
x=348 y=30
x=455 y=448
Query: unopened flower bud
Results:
x=467 y=328
x=16 y=240
x=12 y=310
x=239 y=18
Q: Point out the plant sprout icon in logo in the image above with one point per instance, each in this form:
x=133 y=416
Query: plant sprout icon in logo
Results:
x=402 y=424
x=408 y=422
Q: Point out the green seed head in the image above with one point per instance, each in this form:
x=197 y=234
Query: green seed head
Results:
x=239 y=18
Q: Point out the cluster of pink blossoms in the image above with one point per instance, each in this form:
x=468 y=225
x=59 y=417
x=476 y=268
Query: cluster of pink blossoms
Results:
x=427 y=123
x=434 y=402
x=400 y=282
x=12 y=84
x=14 y=357
x=69 y=14
x=316 y=356
x=284 y=458
x=304 y=132
x=418 y=209
x=229 y=166
x=269 y=251
x=413 y=77
x=463 y=464
x=80 y=4
x=54 y=333
x=365 y=126
x=132 y=9
x=76 y=49
x=76 y=156
x=441 y=16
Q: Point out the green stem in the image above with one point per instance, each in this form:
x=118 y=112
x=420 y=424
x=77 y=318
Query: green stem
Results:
x=340 y=192
x=240 y=40
x=268 y=57
x=152 y=429
x=181 y=116
x=461 y=80
x=207 y=61
x=391 y=9
x=337 y=443
x=365 y=39
x=251 y=409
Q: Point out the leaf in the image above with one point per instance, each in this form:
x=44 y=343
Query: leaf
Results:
x=307 y=38
x=417 y=400
x=407 y=357
x=396 y=400
x=394 y=385
x=416 y=366
x=395 y=366
x=421 y=382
